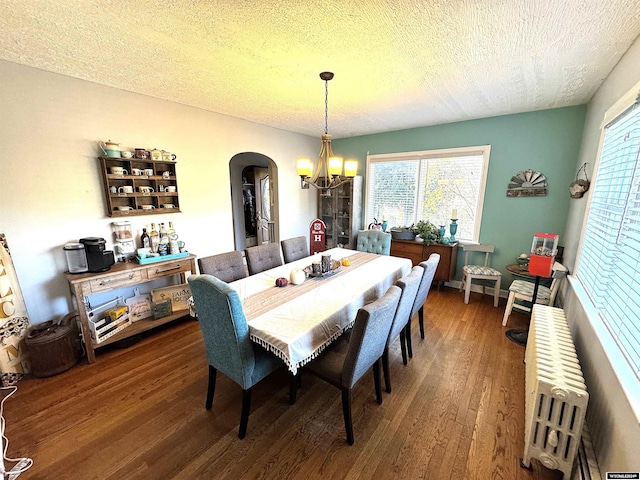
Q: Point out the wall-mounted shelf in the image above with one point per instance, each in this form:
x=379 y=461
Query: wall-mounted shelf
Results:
x=123 y=194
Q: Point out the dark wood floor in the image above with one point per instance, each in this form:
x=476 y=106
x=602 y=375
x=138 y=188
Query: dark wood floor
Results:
x=456 y=411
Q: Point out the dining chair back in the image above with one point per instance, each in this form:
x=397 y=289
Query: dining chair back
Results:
x=294 y=249
x=263 y=257
x=227 y=343
x=409 y=286
x=522 y=291
x=344 y=363
x=483 y=271
x=430 y=266
x=374 y=241
x=227 y=267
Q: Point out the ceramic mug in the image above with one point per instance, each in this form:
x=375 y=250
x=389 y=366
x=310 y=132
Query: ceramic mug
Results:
x=136 y=171
x=148 y=171
x=119 y=171
x=170 y=189
x=168 y=157
x=147 y=207
x=124 y=208
x=113 y=189
x=166 y=174
x=145 y=189
x=126 y=154
x=168 y=205
x=125 y=189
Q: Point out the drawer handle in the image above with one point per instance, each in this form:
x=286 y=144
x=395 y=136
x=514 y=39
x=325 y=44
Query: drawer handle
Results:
x=177 y=267
x=107 y=282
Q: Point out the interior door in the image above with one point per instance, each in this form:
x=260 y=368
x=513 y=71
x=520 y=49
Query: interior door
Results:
x=263 y=206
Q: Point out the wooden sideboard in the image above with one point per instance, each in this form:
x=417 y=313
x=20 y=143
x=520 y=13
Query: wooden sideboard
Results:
x=121 y=275
x=417 y=251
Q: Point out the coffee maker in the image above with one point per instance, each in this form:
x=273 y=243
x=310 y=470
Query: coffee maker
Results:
x=98 y=259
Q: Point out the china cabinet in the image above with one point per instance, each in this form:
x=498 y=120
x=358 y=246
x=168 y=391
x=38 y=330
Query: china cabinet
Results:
x=138 y=186
x=341 y=211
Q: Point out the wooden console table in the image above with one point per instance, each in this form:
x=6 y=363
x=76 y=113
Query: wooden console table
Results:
x=417 y=251
x=124 y=275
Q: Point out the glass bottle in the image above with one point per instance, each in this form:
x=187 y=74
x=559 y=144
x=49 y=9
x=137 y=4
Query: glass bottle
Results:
x=144 y=239
x=163 y=244
x=173 y=240
x=172 y=232
x=154 y=239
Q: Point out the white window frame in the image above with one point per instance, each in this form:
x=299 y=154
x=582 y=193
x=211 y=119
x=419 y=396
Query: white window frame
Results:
x=483 y=150
x=623 y=370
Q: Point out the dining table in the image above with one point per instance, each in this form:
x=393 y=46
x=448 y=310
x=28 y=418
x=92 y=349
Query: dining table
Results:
x=297 y=322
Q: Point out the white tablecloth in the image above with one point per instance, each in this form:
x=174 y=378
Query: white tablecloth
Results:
x=298 y=321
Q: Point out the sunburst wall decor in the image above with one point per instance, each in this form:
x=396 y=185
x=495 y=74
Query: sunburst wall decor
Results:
x=527 y=183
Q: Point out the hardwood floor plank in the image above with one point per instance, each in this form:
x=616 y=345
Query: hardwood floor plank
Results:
x=455 y=411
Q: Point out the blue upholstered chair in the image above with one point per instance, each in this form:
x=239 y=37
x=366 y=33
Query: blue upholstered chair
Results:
x=409 y=286
x=226 y=338
x=374 y=241
x=345 y=362
x=294 y=249
x=227 y=267
x=263 y=257
x=430 y=266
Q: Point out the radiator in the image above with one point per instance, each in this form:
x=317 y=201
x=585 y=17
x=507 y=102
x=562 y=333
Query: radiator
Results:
x=555 y=394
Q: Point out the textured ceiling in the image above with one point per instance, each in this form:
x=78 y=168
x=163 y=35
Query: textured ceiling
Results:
x=397 y=63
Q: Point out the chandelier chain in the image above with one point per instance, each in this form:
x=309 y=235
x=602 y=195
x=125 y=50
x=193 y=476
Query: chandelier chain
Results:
x=326 y=106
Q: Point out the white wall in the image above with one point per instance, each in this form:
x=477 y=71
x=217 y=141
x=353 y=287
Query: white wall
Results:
x=614 y=427
x=50 y=183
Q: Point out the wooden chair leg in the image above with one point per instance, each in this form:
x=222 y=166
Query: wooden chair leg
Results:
x=467 y=290
x=294 y=384
x=244 y=416
x=508 y=308
x=211 y=388
x=385 y=370
x=496 y=295
x=346 y=411
x=376 y=381
x=421 y=322
x=403 y=346
x=407 y=338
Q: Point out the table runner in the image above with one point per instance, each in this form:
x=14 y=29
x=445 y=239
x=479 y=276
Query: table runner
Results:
x=297 y=322
x=262 y=302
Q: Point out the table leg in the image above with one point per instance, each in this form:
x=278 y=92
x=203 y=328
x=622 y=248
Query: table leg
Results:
x=520 y=337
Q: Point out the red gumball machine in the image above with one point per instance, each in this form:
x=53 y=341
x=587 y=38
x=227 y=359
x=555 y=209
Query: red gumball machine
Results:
x=543 y=254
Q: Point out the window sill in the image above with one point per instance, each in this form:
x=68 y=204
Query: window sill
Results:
x=627 y=379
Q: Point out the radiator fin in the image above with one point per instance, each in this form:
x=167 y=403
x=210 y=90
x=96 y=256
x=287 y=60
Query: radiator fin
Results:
x=556 y=396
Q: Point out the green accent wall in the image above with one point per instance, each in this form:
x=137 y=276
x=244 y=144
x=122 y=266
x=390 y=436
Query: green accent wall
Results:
x=547 y=141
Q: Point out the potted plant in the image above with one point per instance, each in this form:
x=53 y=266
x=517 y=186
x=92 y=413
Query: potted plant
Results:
x=427 y=231
x=403 y=233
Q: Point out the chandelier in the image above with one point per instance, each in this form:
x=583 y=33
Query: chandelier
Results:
x=329 y=171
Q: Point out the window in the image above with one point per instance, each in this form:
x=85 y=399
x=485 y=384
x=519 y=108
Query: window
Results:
x=404 y=188
x=608 y=266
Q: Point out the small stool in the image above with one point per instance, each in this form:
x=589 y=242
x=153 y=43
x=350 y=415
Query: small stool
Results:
x=54 y=347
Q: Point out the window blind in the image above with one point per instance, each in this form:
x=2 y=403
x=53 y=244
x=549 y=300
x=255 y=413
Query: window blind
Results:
x=408 y=187
x=609 y=262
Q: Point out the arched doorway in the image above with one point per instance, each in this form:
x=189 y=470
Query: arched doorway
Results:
x=254 y=199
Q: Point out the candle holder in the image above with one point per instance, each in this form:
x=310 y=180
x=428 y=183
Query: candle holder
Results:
x=453 y=228
x=443 y=231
